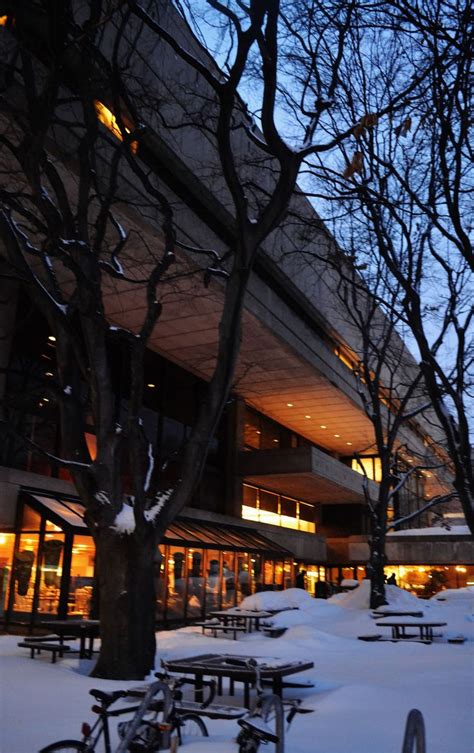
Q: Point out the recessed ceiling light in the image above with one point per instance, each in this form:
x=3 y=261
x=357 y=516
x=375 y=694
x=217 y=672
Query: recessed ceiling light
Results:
x=52 y=338
x=48 y=373
x=151 y=385
x=307 y=416
x=337 y=435
x=348 y=442
x=290 y=405
x=323 y=426
x=46 y=400
x=258 y=431
x=275 y=440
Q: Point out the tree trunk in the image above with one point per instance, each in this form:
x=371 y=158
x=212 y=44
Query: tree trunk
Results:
x=127 y=603
x=375 y=567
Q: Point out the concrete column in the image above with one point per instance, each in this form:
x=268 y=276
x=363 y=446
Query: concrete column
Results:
x=235 y=443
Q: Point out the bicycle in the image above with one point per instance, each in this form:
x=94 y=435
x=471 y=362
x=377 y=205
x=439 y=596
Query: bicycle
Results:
x=269 y=707
x=139 y=735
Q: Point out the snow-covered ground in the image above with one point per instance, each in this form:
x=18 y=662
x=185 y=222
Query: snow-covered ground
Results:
x=362 y=691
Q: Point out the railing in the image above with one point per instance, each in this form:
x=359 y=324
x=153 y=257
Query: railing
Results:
x=414 y=733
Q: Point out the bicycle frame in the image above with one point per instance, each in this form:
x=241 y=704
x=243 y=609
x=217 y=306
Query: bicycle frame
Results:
x=101 y=726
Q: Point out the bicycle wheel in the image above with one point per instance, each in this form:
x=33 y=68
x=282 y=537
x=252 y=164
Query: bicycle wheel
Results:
x=66 y=746
x=189 y=727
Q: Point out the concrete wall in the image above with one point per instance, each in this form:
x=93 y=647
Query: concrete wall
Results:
x=443 y=549
x=10 y=482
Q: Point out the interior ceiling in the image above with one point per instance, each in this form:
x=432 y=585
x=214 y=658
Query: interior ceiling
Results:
x=269 y=375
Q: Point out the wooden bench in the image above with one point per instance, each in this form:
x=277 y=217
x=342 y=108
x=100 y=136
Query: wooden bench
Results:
x=37 y=647
x=49 y=638
x=377 y=615
x=216 y=627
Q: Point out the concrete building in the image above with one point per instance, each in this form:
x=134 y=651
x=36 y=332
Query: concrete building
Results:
x=283 y=490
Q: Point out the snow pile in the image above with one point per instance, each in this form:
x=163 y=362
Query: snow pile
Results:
x=452 y=594
x=359 y=598
x=292 y=598
x=314 y=612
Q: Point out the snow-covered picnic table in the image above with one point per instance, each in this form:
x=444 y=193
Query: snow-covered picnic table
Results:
x=399 y=628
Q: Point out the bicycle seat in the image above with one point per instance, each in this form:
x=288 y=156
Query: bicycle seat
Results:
x=258 y=728
x=106 y=699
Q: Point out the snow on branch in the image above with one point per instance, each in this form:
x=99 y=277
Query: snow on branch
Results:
x=161 y=499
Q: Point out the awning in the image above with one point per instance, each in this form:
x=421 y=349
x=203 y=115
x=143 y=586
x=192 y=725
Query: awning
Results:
x=185 y=532
x=182 y=532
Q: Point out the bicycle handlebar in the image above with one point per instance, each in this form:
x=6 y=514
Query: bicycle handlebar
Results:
x=176 y=682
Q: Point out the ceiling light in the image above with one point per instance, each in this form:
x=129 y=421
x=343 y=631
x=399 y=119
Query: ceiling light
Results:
x=52 y=338
x=337 y=435
x=258 y=431
x=290 y=405
x=307 y=416
x=275 y=440
x=48 y=373
x=151 y=385
x=348 y=442
x=323 y=426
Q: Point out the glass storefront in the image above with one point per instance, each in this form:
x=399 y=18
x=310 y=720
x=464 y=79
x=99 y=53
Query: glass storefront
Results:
x=47 y=568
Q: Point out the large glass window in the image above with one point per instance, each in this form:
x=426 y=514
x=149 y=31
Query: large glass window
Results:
x=228 y=580
x=24 y=572
x=213 y=579
x=195 y=583
x=368 y=466
x=7 y=541
x=267 y=507
x=176 y=582
x=82 y=576
x=243 y=584
x=50 y=573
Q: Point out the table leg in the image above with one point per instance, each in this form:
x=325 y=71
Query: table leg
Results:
x=198 y=690
x=278 y=686
x=247 y=695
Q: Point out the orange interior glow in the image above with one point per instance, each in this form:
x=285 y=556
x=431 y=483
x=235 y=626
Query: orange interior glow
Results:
x=108 y=118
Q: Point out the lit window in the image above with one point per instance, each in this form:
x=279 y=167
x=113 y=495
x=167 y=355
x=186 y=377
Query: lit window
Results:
x=3 y=20
x=108 y=118
x=266 y=507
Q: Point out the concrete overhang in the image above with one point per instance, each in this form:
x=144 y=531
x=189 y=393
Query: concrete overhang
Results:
x=304 y=473
x=435 y=549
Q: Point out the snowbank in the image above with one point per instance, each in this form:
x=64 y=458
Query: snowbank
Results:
x=454 y=594
x=292 y=598
x=359 y=598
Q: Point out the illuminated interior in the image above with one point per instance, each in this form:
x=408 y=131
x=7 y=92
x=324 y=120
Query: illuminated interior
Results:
x=427 y=580
x=7 y=541
x=82 y=576
x=267 y=507
x=3 y=20
x=368 y=466
x=108 y=119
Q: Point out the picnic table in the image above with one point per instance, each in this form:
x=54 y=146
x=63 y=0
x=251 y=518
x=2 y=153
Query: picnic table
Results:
x=237 y=670
x=400 y=626
x=85 y=630
x=245 y=617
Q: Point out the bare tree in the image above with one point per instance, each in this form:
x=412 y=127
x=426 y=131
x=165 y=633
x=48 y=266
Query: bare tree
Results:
x=79 y=207
x=392 y=391
x=407 y=200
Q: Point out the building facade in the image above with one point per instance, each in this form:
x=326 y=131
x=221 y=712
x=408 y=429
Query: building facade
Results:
x=283 y=489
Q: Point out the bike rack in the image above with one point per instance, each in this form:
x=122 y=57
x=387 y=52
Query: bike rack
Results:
x=414 y=733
